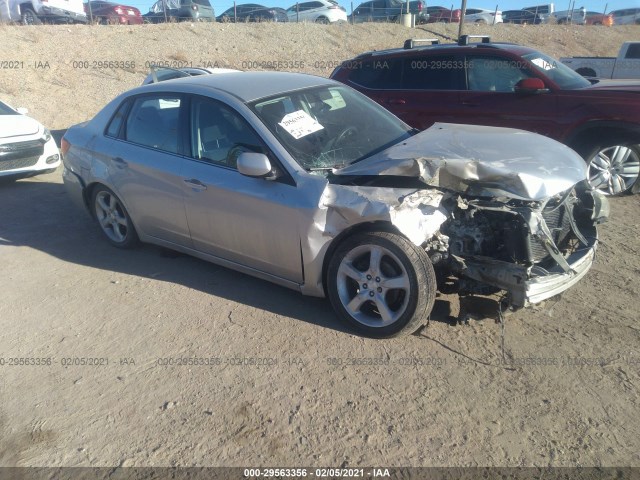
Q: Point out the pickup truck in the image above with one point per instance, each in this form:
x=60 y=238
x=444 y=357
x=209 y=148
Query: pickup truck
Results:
x=388 y=11
x=35 y=12
x=625 y=66
x=577 y=16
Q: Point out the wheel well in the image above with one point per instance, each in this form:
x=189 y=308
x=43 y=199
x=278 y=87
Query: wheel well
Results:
x=27 y=5
x=88 y=193
x=361 y=227
x=598 y=135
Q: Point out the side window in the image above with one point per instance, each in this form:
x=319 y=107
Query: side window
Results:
x=113 y=130
x=219 y=134
x=633 y=51
x=378 y=4
x=433 y=73
x=153 y=122
x=377 y=74
x=492 y=74
x=364 y=8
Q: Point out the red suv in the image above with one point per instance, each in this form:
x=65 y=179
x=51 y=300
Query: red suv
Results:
x=508 y=85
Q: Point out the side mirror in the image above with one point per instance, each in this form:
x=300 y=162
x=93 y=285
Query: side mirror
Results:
x=255 y=165
x=22 y=110
x=531 y=86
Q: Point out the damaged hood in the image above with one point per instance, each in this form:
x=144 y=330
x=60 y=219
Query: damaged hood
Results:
x=482 y=161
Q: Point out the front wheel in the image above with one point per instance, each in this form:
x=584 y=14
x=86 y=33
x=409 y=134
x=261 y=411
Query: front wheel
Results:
x=381 y=284
x=614 y=169
x=29 y=17
x=113 y=218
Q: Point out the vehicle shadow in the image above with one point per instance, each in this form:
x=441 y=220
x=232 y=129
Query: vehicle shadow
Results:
x=38 y=214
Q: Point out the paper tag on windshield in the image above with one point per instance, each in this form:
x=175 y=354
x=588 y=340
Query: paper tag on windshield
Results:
x=299 y=124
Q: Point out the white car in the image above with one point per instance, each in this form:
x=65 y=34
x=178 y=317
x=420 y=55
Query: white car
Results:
x=627 y=16
x=319 y=11
x=482 y=16
x=26 y=147
x=577 y=16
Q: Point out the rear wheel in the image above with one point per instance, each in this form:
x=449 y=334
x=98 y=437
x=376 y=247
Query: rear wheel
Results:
x=323 y=20
x=113 y=218
x=381 y=284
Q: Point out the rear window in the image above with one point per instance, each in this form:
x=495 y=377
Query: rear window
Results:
x=633 y=51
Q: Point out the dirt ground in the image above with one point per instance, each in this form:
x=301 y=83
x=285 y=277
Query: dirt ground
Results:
x=271 y=377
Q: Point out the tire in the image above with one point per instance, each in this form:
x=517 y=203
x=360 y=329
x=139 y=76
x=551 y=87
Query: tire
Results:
x=613 y=166
x=113 y=218
x=481 y=22
x=29 y=17
x=323 y=20
x=353 y=280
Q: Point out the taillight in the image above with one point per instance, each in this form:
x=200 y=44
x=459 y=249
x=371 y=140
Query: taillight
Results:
x=419 y=6
x=64 y=146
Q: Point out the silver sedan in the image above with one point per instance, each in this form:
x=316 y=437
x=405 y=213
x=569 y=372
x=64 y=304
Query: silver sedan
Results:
x=304 y=182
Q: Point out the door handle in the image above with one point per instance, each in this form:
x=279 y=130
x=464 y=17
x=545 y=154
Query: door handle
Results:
x=119 y=162
x=195 y=184
x=396 y=101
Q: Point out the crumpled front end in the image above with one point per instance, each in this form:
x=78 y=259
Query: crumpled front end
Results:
x=532 y=250
x=496 y=209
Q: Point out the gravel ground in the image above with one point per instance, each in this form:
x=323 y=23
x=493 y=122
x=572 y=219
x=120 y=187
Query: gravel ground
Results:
x=285 y=384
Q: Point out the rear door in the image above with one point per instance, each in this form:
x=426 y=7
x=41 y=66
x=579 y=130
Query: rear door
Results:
x=143 y=155
x=421 y=89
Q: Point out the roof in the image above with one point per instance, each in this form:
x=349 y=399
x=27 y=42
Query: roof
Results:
x=247 y=86
x=511 y=47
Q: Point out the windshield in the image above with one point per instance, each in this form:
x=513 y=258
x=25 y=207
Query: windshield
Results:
x=559 y=73
x=6 y=110
x=327 y=127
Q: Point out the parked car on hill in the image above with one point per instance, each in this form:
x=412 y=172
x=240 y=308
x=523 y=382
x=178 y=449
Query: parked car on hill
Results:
x=112 y=13
x=544 y=11
x=443 y=15
x=252 y=12
x=626 y=16
x=625 y=66
x=508 y=85
x=304 y=182
x=35 y=12
x=521 y=17
x=318 y=11
x=26 y=147
x=388 y=11
x=577 y=16
x=595 y=18
x=180 y=10
x=162 y=74
x=482 y=16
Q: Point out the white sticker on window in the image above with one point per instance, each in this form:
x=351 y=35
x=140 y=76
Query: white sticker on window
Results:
x=299 y=124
